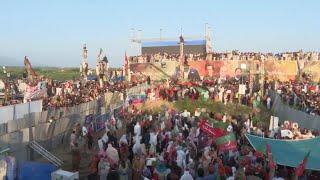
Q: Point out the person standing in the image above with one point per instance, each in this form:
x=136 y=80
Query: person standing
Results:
x=94 y=168
x=73 y=139
x=268 y=103
x=113 y=173
x=90 y=141
x=76 y=157
x=103 y=167
x=124 y=170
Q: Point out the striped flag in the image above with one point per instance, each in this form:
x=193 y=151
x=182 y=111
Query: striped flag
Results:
x=207 y=128
x=227 y=142
x=272 y=164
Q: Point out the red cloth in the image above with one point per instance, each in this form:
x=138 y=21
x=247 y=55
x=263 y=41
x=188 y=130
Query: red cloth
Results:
x=272 y=164
x=215 y=132
x=300 y=168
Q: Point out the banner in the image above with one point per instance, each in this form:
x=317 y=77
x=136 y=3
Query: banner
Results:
x=290 y=152
x=242 y=89
x=227 y=142
x=100 y=122
x=215 y=132
x=88 y=122
x=35 y=92
x=273 y=123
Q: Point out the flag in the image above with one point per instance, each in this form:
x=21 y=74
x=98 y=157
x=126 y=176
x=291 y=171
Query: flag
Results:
x=272 y=164
x=207 y=128
x=35 y=92
x=219 y=124
x=227 y=142
x=126 y=64
x=300 y=168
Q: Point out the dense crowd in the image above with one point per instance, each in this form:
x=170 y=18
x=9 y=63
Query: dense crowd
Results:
x=170 y=144
x=63 y=94
x=301 y=95
x=163 y=57
x=234 y=55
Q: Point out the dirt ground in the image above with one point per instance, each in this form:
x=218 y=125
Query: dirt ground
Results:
x=63 y=152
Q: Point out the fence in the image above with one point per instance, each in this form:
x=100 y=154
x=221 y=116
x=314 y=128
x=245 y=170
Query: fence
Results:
x=13 y=112
x=138 y=89
x=16 y=134
x=285 y=112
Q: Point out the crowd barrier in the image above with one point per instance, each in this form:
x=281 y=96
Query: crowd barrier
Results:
x=13 y=112
x=16 y=134
x=138 y=89
x=285 y=112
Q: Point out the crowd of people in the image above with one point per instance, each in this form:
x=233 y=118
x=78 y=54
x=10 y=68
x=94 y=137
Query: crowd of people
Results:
x=170 y=144
x=62 y=94
x=301 y=95
x=233 y=55
x=163 y=57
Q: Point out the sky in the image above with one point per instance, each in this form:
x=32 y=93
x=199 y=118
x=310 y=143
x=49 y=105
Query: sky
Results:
x=51 y=33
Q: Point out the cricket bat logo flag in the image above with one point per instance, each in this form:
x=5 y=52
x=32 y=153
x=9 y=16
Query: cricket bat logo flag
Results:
x=227 y=142
x=213 y=131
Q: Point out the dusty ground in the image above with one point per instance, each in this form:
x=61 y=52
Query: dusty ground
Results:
x=63 y=152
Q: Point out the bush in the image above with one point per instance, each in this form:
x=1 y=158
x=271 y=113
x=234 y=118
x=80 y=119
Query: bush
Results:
x=212 y=106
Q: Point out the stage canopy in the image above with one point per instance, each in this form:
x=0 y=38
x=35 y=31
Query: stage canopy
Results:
x=290 y=152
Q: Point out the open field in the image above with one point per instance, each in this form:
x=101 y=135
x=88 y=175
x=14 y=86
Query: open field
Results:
x=59 y=74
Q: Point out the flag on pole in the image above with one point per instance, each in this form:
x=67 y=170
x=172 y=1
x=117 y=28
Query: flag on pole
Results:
x=300 y=168
x=126 y=63
x=272 y=164
x=227 y=142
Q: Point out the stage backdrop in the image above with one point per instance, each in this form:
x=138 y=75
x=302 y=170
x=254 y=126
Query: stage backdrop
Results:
x=279 y=69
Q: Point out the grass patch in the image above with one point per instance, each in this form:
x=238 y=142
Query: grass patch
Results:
x=212 y=106
x=60 y=74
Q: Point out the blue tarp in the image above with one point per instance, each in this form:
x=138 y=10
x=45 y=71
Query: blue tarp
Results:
x=290 y=152
x=35 y=171
x=92 y=78
x=172 y=43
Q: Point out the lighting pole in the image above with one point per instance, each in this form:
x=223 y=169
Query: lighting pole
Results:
x=140 y=39
x=160 y=33
x=205 y=31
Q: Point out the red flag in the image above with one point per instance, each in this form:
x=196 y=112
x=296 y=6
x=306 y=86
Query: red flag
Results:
x=272 y=164
x=300 y=168
x=215 y=132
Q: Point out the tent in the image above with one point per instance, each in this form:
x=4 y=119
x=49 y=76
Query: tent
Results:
x=290 y=152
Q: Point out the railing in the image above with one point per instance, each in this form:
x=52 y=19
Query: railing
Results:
x=46 y=154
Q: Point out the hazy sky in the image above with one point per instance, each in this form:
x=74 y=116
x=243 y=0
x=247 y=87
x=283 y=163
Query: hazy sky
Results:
x=52 y=32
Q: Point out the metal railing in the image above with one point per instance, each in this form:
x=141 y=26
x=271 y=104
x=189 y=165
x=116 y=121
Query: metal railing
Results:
x=46 y=154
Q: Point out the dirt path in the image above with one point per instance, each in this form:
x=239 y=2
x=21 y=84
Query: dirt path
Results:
x=63 y=152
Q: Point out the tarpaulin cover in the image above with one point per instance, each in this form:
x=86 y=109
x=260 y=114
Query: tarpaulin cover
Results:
x=35 y=171
x=290 y=152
